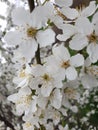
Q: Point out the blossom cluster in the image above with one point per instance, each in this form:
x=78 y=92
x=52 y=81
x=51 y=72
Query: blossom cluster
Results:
x=48 y=85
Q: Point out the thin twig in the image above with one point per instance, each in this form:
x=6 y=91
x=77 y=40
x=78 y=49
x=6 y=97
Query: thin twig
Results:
x=37 y=55
x=31 y=5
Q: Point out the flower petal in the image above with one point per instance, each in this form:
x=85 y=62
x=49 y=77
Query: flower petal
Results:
x=77 y=60
x=45 y=38
x=71 y=73
x=62 y=3
x=88 y=11
x=20 y=16
x=46 y=90
x=92 y=50
x=78 y=42
x=68 y=31
x=61 y=52
x=27 y=50
x=95 y=18
x=13 y=37
x=70 y=13
x=42 y=102
x=84 y=26
x=56 y=99
x=41 y=14
x=89 y=81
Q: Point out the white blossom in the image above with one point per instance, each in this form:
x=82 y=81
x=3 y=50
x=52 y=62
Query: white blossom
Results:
x=22 y=99
x=46 y=78
x=64 y=63
x=28 y=33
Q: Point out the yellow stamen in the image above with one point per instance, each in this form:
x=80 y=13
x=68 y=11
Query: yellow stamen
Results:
x=65 y=64
x=28 y=124
x=93 y=38
x=24 y=100
x=22 y=74
x=31 y=32
x=70 y=93
x=46 y=77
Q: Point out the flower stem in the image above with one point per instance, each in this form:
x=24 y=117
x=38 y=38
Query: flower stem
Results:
x=37 y=55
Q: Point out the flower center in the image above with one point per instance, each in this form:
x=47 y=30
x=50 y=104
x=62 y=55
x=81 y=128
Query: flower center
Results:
x=46 y=77
x=25 y=99
x=65 y=64
x=28 y=124
x=22 y=74
x=92 y=70
x=93 y=38
x=31 y=32
x=70 y=93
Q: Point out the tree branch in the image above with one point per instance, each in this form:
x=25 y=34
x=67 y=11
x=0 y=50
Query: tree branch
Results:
x=31 y=5
x=37 y=55
x=7 y=123
x=80 y=2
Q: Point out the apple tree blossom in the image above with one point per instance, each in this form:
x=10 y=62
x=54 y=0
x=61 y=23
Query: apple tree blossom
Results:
x=49 y=65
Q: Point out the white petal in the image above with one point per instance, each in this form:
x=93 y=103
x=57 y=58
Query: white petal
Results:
x=58 y=81
x=42 y=102
x=71 y=73
x=88 y=11
x=13 y=38
x=77 y=60
x=23 y=83
x=45 y=38
x=89 y=81
x=36 y=22
x=70 y=13
x=78 y=42
x=87 y=62
x=57 y=20
x=46 y=90
x=38 y=70
x=92 y=50
x=41 y=14
x=84 y=26
x=96 y=29
x=68 y=31
x=95 y=18
x=20 y=109
x=34 y=106
x=51 y=63
x=56 y=99
x=62 y=37
x=28 y=49
x=66 y=3
x=13 y=97
x=17 y=80
x=20 y=16
x=25 y=91
x=61 y=52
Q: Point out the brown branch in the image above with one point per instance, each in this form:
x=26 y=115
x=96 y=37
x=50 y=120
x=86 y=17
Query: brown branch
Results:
x=7 y=123
x=37 y=55
x=31 y=5
x=80 y=2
